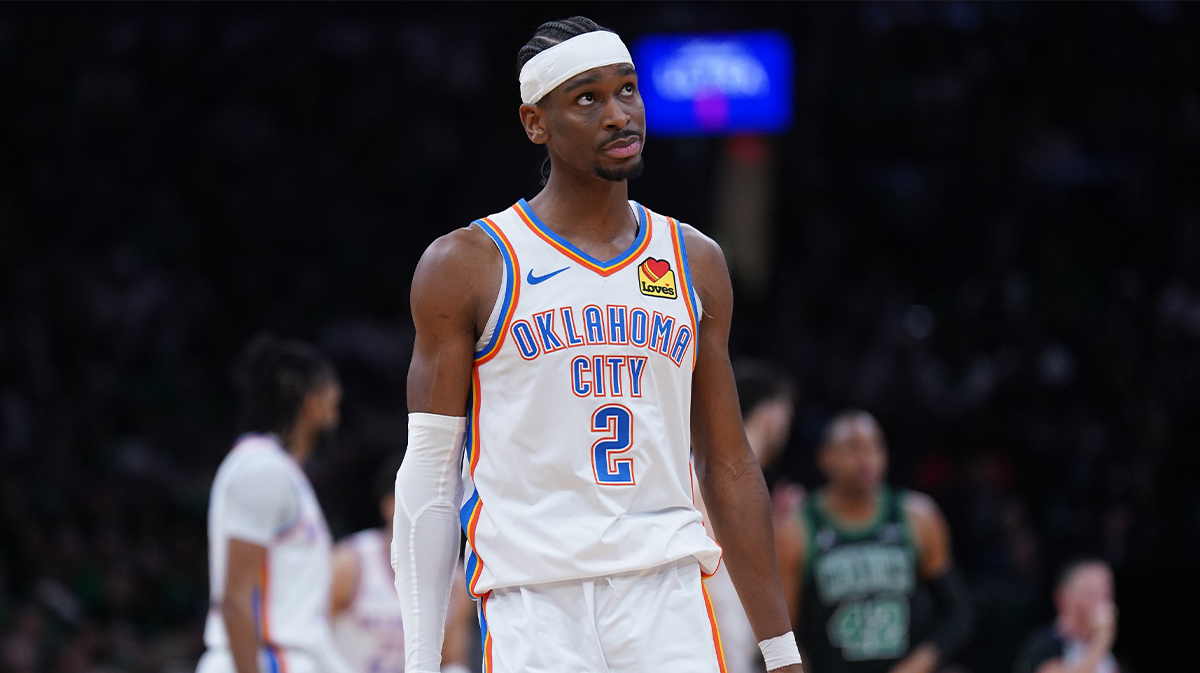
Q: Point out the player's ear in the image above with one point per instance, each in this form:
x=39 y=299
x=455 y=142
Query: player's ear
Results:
x=533 y=119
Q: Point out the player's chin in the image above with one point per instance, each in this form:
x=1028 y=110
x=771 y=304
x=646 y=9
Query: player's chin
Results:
x=627 y=169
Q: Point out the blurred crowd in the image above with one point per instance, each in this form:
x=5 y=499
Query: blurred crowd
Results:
x=987 y=233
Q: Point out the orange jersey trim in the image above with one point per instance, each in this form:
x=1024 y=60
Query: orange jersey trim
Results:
x=264 y=583
x=578 y=256
x=689 y=298
x=487 y=639
x=512 y=293
x=473 y=457
x=716 y=632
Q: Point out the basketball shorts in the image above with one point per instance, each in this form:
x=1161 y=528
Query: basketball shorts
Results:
x=656 y=620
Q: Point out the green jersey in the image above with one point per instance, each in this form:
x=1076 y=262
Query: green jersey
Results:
x=859 y=586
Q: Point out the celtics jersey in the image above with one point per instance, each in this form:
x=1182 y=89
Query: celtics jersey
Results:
x=859 y=588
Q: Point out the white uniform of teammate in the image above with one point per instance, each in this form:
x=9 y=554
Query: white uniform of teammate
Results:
x=370 y=632
x=260 y=495
x=585 y=547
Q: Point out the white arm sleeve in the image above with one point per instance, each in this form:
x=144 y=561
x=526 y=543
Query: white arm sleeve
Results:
x=425 y=534
x=260 y=503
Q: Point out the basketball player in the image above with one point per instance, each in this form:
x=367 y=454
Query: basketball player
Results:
x=1080 y=640
x=268 y=544
x=579 y=343
x=867 y=549
x=367 y=625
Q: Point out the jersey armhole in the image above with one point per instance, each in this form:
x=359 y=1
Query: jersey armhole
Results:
x=287 y=527
x=489 y=328
x=492 y=333
x=687 y=272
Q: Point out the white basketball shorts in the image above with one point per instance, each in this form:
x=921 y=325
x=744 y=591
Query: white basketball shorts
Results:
x=656 y=620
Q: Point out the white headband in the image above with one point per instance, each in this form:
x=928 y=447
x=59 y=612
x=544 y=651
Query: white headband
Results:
x=566 y=59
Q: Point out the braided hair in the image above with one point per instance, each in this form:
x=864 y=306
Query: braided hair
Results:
x=547 y=35
x=272 y=378
x=555 y=32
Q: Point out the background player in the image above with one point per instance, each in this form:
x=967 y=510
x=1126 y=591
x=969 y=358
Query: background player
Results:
x=866 y=550
x=587 y=551
x=367 y=625
x=268 y=543
x=1080 y=640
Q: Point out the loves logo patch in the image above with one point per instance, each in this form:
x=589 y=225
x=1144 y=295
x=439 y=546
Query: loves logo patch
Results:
x=656 y=279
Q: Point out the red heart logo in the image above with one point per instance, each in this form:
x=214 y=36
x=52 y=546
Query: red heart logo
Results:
x=656 y=268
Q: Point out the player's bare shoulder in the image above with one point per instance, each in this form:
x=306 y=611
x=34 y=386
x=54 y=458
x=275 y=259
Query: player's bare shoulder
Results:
x=459 y=272
x=933 y=535
x=921 y=509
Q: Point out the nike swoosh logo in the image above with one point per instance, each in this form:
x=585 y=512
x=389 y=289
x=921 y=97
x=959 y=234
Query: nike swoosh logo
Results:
x=534 y=280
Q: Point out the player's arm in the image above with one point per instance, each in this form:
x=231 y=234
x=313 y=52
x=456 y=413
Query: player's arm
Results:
x=730 y=478
x=951 y=599
x=455 y=284
x=453 y=291
x=244 y=568
x=259 y=503
x=345 y=577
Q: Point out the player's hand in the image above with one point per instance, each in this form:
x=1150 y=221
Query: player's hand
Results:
x=1104 y=625
x=794 y=668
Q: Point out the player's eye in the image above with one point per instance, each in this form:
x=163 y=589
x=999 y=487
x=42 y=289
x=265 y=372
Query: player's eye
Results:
x=586 y=99
x=628 y=88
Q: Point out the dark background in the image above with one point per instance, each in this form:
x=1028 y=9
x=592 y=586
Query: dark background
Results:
x=987 y=232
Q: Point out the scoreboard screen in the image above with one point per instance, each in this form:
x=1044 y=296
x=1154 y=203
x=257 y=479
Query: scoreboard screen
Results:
x=715 y=84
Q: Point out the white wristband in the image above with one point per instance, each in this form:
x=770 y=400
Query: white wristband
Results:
x=780 y=651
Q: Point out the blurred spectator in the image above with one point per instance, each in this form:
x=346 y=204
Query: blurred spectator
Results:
x=1080 y=640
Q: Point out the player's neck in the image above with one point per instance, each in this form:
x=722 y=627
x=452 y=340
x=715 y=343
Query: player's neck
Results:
x=852 y=505
x=300 y=443
x=573 y=203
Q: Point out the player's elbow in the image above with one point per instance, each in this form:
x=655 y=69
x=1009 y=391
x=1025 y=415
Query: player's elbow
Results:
x=737 y=471
x=236 y=603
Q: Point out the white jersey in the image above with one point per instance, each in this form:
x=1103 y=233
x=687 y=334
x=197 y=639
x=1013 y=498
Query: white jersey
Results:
x=369 y=632
x=261 y=495
x=578 y=433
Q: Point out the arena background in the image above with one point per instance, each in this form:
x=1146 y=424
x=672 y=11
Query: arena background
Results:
x=985 y=229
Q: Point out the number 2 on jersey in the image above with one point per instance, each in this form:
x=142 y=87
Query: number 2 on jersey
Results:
x=617 y=422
